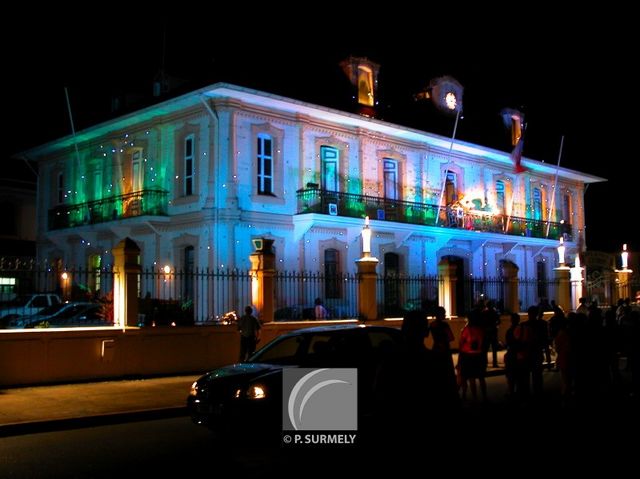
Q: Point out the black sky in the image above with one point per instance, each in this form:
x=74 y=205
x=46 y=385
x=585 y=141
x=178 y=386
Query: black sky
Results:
x=572 y=74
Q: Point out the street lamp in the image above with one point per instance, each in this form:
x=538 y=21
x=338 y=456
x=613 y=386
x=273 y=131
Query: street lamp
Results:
x=366 y=238
x=625 y=257
x=561 y=250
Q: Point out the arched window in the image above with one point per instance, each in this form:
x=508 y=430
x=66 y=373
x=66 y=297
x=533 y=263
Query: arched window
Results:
x=541 y=270
x=391 y=283
x=188 y=271
x=331 y=273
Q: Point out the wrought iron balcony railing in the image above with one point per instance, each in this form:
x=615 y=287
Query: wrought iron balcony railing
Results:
x=359 y=206
x=139 y=203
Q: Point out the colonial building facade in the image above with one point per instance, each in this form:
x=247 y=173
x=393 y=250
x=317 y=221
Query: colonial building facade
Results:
x=195 y=179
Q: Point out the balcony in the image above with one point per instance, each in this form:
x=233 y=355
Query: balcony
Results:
x=139 y=203
x=359 y=206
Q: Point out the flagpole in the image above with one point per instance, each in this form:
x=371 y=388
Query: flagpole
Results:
x=555 y=186
x=444 y=180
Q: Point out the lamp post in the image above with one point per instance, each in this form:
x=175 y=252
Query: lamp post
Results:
x=576 y=283
x=623 y=279
x=367 y=276
x=366 y=239
x=561 y=250
x=562 y=276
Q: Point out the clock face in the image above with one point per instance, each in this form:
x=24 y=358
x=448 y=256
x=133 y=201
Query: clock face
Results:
x=450 y=100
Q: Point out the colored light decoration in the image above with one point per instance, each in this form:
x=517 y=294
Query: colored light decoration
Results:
x=625 y=257
x=366 y=238
x=561 y=249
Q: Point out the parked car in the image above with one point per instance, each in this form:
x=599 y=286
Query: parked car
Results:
x=249 y=394
x=28 y=304
x=294 y=313
x=76 y=315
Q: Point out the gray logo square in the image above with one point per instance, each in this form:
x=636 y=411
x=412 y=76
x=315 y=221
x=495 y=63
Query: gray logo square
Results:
x=320 y=399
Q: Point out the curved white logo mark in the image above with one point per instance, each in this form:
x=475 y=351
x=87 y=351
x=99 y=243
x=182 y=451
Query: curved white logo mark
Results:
x=310 y=384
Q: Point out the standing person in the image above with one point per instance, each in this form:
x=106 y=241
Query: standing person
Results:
x=249 y=328
x=320 y=312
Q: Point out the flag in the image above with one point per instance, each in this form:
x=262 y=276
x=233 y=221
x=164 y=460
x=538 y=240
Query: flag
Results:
x=514 y=120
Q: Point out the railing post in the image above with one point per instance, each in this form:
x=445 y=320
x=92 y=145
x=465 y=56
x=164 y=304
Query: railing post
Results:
x=126 y=269
x=263 y=270
x=623 y=283
x=563 y=298
x=511 y=283
x=447 y=287
x=367 y=284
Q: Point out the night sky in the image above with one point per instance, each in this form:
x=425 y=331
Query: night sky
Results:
x=567 y=73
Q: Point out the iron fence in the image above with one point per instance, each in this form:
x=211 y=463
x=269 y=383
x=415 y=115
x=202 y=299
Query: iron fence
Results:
x=398 y=293
x=187 y=297
x=296 y=293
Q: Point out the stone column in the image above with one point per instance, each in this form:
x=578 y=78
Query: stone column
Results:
x=126 y=270
x=367 y=288
x=563 y=295
x=576 y=286
x=623 y=283
x=511 y=283
x=263 y=270
x=447 y=287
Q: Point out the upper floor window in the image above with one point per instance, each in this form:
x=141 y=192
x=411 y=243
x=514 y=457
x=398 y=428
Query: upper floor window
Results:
x=60 y=193
x=137 y=171
x=390 y=179
x=265 y=164
x=188 y=165
x=537 y=204
x=451 y=187
x=97 y=185
x=500 y=197
x=330 y=158
x=568 y=212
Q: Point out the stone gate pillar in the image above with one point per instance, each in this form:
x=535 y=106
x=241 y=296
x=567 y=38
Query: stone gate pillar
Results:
x=126 y=271
x=263 y=271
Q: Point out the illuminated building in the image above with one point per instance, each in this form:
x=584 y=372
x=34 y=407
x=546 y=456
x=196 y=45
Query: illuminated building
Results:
x=194 y=179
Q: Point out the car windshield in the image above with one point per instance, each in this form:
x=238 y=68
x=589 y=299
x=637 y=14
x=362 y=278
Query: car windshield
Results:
x=282 y=351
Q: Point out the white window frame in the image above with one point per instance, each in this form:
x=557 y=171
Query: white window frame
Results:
x=264 y=165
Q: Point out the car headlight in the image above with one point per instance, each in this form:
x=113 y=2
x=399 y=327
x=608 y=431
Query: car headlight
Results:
x=254 y=391
x=194 y=389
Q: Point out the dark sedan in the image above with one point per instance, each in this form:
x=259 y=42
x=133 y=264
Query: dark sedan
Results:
x=248 y=395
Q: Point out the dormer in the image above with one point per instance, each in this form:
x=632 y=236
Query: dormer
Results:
x=363 y=74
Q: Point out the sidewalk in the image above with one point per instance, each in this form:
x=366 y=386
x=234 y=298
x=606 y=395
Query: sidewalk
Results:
x=24 y=408
x=101 y=401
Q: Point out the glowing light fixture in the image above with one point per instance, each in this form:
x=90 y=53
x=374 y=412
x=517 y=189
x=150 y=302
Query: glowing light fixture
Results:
x=625 y=257
x=166 y=269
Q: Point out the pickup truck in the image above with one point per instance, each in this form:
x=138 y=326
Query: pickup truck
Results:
x=28 y=304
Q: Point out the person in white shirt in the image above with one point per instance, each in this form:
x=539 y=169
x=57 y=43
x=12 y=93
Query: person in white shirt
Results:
x=320 y=311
